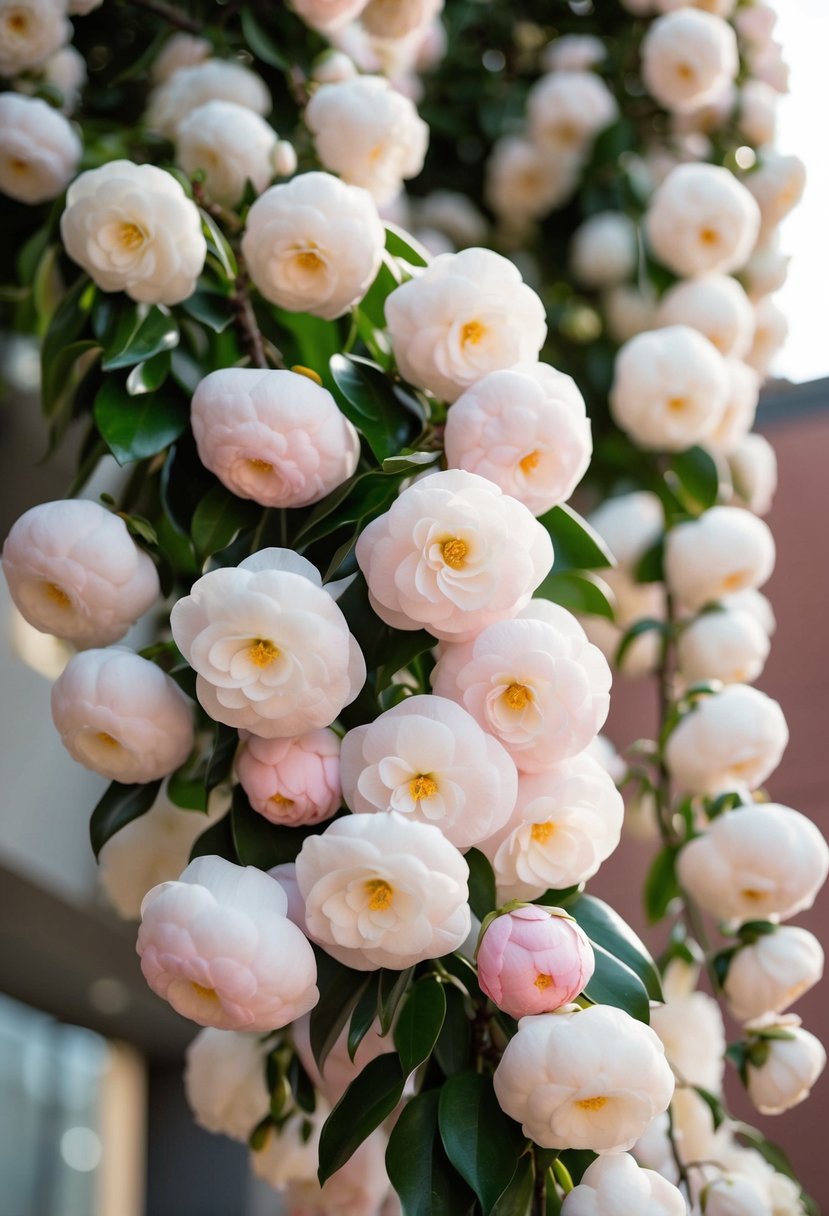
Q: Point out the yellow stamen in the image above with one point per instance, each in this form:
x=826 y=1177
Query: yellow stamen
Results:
x=57 y=595
x=207 y=994
x=472 y=333
x=107 y=739
x=677 y=404
x=518 y=696
x=733 y=582
x=543 y=981
x=307 y=371
x=709 y=236
x=379 y=893
x=279 y=800
x=685 y=72
x=541 y=832
x=18 y=165
x=592 y=1103
x=262 y=652
x=423 y=786
x=130 y=236
x=17 y=22
x=454 y=553
x=308 y=260
x=260 y=466
x=566 y=133
x=751 y=894
x=530 y=461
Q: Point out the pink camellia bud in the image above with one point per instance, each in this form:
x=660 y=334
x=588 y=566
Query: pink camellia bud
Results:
x=533 y=960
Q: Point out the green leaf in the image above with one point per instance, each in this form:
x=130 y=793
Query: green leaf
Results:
x=369 y=1099
x=260 y=843
x=613 y=983
x=364 y=1016
x=61 y=375
x=315 y=340
x=579 y=594
x=661 y=884
x=650 y=568
x=465 y=972
x=119 y=805
x=577 y=546
x=134 y=428
x=603 y=925
x=453 y=1043
x=217 y=841
x=776 y=1157
x=225 y=743
x=209 y=308
x=419 y=1169
x=718 y=1114
x=637 y=630
x=410 y=462
x=392 y=988
x=156 y=333
x=517 y=1199
x=148 y=376
x=186 y=791
x=370 y=315
x=65 y=328
x=368 y=401
x=219 y=518
x=481 y=884
x=694 y=477
x=401 y=245
x=218 y=244
x=403 y=647
x=419 y=1024
x=355 y=502
x=261 y=43
x=482 y=1143
x=340 y=989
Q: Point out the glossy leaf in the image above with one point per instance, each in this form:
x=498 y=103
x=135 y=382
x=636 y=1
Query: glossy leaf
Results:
x=119 y=805
x=604 y=925
x=454 y=1041
x=340 y=989
x=400 y=244
x=261 y=43
x=661 y=884
x=225 y=743
x=637 y=630
x=517 y=1199
x=368 y=401
x=148 y=376
x=186 y=791
x=217 y=841
x=156 y=333
x=613 y=983
x=369 y=1099
x=419 y=1024
x=364 y=1016
x=481 y=884
x=260 y=843
x=392 y=989
x=134 y=428
x=694 y=478
x=209 y=308
x=402 y=647
x=218 y=518
x=418 y=1167
x=576 y=544
x=482 y=1143
x=218 y=245
x=579 y=594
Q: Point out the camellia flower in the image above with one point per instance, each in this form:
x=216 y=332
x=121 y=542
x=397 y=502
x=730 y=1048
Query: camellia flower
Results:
x=603 y=250
x=121 y=716
x=361 y=1187
x=383 y=891
x=290 y=1155
x=632 y=602
x=692 y=1032
x=524 y=428
x=533 y=960
x=74 y=571
x=212 y=80
x=730 y=740
x=65 y=71
x=630 y=524
x=224 y=1080
x=314 y=244
x=218 y=946
x=757 y=117
x=716 y=306
x=771 y=973
x=725 y=550
x=740 y=410
x=566 y=822
x=688 y=58
x=274 y=436
x=271 y=648
x=179 y=51
x=789 y=1065
x=777 y=185
x=230 y=144
x=39 y=149
x=766 y=270
x=453 y=213
x=702 y=220
x=754 y=863
x=628 y=310
x=452 y=554
x=133 y=229
x=753 y=465
x=428 y=759
x=292 y=781
x=398 y=18
x=534 y=682
x=30 y=31
x=522 y=183
x=338 y=1070
x=670 y=388
x=771 y=328
x=567 y=110
x=735 y=1194
x=466 y=314
x=730 y=645
x=327 y=16
x=573 y=53
x=367 y=133
x=590 y=1079
x=617 y=1182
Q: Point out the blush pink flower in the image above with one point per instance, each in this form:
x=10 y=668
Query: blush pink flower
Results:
x=338 y=1070
x=525 y=429
x=273 y=436
x=218 y=946
x=533 y=960
x=292 y=781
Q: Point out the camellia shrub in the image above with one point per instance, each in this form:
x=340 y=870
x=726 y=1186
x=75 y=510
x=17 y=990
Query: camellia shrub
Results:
x=357 y=781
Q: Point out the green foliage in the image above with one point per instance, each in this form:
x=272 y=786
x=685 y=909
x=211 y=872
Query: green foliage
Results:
x=420 y=1022
x=369 y=1099
x=661 y=885
x=118 y=806
x=482 y=1143
x=418 y=1167
x=606 y=928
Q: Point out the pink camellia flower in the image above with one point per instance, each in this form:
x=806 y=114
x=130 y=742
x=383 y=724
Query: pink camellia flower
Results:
x=524 y=428
x=121 y=716
x=452 y=555
x=328 y=15
x=74 y=570
x=339 y=1070
x=293 y=781
x=218 y=946
x=533 y=960
x=273 y=436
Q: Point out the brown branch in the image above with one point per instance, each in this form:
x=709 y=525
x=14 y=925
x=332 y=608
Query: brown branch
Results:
x=245 y=321
x=169 y=13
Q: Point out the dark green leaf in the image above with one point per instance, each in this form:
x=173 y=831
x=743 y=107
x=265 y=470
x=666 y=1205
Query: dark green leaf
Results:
x=157 y=332
x=419 y=1024
x=186 y=791
x=577 y=546
x=576 y=1161
x=369 y=1099
x=315 y=341
x=454 y=1041
x=218 y=245
x=403 y=647
x=637 y=630
x=649 y=568
x=260 y=843
x=393 y=985
x=368 y=401
x=217 y=841
x=119 y=805
x=340 y=990
x=218 y=518
x=134 y=428
x=410 y=462
x=718 y=1114
x=225 y=743
x=613 y=983
x=364 y=1016
x=354 y=502
x=464 y=971
x=419 y=1169
x=261 y=43
x=694 y=478
x=481 y=884
x=62 y=373
x=482 y=1143
x=661 y=884
x=401 y=245
x=604 y=925
x=517 y=1199
x=579 y=594
x=370 y=314
x=210 y=308
x=148 y=376
x=302 y=1086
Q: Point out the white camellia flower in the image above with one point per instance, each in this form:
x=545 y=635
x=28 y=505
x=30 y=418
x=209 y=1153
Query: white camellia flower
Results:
x=632 y=602
x=361 y=1187
x=224 y=1080
x=766 y=270
x=603 y=251
x=65 y=71
x=211 y=80
x=771 y=973
x=367 y=133
x=771 y=328
x=523 y=183
x=74 y=571
x=39 y=149
x=30 y=31
x=692 y=1032
x=573 y=53
x=702 y=220
x=314 y=244
x=231 y=145
x=218 y=946
x=397 y=18
x=121 y=716
x=690 y=1131
x=179 y=51
x=290 y=1155
x=753 y=465
x=688 y=58
x=730 y=645
x=628 y=311
x=616 y=1183
x=670 y=388
x=777 y=185
x=567 y=110
x=725 y=549
x=524 y=428
x=735 y=1194
x=740 y=410
x=453 y=214
x=133 y=229
x=272 y=651
x=731 y=740
x=452 y=555
x=466 y=314
x=274 y=436
x=428 y=759
x=790 y=1067
x=383 y=891
x=715 y=305
x=629 y=524
x=755 y=863
x=757 y=116
x=566 y=822
x=590 y=1079
x=328 y=16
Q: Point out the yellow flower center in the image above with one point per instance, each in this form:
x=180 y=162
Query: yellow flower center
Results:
x=207 y=994
x=260 y=466
x=107 y=739
x=751 y=894
x=685 y=72
x=17 y=21
x=279 y=800
x=57 y=595
x=423 y=786
x=529 y=462
x=454 y=553
x=130 y=235
x=566 y=133
x=541 y=832
x=677 y=404
x=18 y=165
x=542 y=981
x=592 y=1103
x=379 y=894
x=472 y=333
x=307 y=371
x=308 y=260
x=262 y=653
x=733 y=582
x=518 y=696
x=709 y=236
